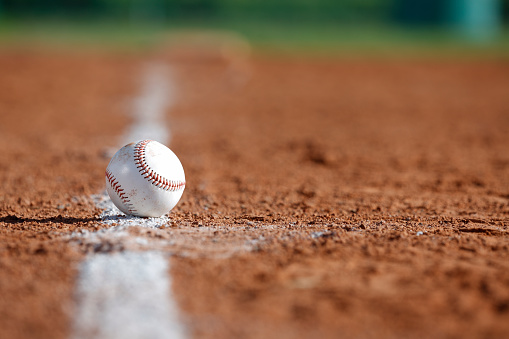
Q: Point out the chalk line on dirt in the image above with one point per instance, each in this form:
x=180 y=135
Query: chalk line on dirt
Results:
x=127 y=294
x=149 y=107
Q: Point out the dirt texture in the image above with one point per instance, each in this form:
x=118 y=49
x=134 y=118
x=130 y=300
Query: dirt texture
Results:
x=387 y=185
x=56 y=114
x=328 y=198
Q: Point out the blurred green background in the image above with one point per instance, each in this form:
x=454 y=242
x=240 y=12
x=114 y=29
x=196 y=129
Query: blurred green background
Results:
x=305 y=25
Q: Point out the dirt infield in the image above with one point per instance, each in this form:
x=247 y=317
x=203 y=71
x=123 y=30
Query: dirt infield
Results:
x=325 y=197
x=57 y=115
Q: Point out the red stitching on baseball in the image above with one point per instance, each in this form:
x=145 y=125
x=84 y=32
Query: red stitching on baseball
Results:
x=120 y=191
x=149 y=174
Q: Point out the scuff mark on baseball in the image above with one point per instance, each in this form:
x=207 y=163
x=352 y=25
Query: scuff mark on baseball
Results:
x=145 y=179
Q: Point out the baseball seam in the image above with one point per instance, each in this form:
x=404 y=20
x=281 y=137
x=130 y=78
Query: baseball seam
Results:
x=149 y=174
x=120 y=192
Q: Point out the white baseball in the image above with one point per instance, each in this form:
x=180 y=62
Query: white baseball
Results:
x=145 y=179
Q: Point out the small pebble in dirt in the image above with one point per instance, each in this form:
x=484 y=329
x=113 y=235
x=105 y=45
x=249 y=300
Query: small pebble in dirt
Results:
x=420 y=233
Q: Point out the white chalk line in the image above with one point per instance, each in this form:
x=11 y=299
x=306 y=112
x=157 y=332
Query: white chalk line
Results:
x=149 y=107
x=128 y=294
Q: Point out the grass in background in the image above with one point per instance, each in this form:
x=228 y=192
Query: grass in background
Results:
x=265 y=37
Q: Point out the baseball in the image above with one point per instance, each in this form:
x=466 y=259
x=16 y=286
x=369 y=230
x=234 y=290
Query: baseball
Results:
x=145 y=179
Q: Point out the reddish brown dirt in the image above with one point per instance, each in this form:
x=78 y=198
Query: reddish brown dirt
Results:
x=359 y=198
x=401 y=170
x=56 y=112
